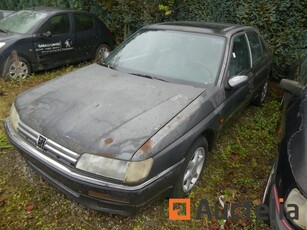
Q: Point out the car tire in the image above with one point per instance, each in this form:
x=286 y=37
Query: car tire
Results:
x=262 y=95
x=100 y=51
x=18 y=68
x=191 y=169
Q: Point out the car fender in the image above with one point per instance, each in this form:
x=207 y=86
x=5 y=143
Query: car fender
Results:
x=23 y=48
x=171 y=143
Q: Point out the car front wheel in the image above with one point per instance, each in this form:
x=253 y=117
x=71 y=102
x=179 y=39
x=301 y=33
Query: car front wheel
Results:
x=192 y=168
x=101 y=50
x=16 y=69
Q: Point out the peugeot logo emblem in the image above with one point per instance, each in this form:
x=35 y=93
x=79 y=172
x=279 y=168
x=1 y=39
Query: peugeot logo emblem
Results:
x=41 y=142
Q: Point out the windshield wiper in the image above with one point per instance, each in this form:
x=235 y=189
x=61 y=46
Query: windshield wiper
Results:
x=148 y=76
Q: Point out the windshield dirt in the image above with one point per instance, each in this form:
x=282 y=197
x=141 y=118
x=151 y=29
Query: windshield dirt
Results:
x=172 y=55
x=21 y=22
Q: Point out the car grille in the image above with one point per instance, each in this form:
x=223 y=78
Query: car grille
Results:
x=50 y=148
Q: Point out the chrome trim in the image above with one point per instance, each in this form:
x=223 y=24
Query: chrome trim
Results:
x=54 y=165
x=50 y=146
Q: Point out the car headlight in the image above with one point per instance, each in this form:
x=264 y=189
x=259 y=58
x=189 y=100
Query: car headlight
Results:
x=126 y=171
x=2 y=44
x=296 y=198
x=14 y=117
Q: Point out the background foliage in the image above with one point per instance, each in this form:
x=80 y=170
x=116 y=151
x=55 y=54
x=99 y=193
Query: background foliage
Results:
x=282 y=22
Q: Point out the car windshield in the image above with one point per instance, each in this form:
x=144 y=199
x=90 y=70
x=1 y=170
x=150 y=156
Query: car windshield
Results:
x=21 y=22
x=174 y=56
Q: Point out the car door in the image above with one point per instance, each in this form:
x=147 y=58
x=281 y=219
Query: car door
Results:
x=54 y=42
x=86 y=36
x=239 y=63
x=260 y=62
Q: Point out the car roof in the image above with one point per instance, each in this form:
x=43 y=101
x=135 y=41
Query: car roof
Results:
x=53 y=10
x=200 y=27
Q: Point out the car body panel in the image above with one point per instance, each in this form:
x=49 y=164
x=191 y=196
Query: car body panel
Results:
x=84 y=45
x=297 y=144
x=57 y=49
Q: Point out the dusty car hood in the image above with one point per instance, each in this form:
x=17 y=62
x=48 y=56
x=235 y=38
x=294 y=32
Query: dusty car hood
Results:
x=102 y=111
x=297 y=149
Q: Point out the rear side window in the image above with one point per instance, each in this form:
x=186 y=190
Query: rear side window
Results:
x=83 y=22
x=58 y=24
x=255 y=45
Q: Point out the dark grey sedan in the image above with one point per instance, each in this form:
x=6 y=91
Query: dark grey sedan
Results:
x=118 y=134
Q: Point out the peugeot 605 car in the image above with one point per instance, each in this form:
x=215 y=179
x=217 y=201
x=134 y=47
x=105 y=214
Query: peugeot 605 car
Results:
x=117 y=134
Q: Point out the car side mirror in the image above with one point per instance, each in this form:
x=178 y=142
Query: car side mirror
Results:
x=292 y=87
x=46 y=34
x=236 y=81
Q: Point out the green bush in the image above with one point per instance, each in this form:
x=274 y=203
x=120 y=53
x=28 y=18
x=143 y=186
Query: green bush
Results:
x=126 y=16
x=282 y=22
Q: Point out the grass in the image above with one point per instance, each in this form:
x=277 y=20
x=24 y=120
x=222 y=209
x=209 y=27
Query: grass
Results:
x=4 y=144
x=237 y=168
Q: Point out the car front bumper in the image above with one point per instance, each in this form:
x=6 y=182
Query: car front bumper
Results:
x=89 y=191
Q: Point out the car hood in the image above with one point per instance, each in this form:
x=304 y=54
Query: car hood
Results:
x=103 y=111
x=7 y=36
x=297 y=148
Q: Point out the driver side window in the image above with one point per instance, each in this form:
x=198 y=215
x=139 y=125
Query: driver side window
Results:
x=58 y=24
x=239 y=60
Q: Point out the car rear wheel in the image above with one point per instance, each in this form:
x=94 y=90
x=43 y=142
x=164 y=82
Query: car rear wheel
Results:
x=262 y=95
x=17 y=69
x=192 y=168
x=103 y=48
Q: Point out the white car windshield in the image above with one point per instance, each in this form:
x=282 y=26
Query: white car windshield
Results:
x=21 y=22
x=170 y=55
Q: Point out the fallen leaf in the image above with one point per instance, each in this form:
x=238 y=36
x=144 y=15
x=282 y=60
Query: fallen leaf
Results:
x=30 y=216
x=1 y=203
x=29 y=207
x=257 y=202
